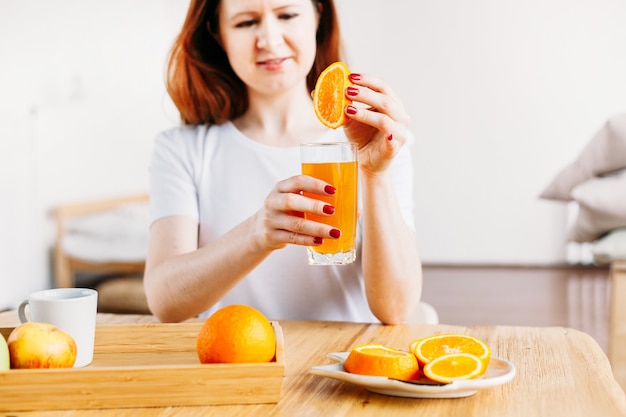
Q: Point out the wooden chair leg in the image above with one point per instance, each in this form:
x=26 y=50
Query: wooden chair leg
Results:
x=617 y=322
x=63 y=274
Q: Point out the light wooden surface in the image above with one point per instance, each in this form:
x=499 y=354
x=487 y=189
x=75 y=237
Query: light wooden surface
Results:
x=617 y=325
x=560 y=372
x=144 y=365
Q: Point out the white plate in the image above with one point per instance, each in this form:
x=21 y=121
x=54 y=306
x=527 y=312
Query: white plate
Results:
x=498 y=372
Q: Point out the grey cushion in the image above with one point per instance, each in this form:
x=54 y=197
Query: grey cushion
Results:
x=601 y=207
x=604 y=154
x=122 y=295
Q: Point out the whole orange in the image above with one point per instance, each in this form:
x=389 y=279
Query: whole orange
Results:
x=236 y=334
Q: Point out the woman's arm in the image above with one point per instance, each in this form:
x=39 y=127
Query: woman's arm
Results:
x=391 y=264
x=182 y=280
x=390 y=260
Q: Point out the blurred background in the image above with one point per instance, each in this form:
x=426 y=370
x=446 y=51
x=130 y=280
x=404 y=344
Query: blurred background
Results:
x=502 y=95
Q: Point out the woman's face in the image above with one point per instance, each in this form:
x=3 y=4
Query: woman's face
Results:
x=270 y=44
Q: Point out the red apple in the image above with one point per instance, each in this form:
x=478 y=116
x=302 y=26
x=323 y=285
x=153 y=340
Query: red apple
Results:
x=41 y=345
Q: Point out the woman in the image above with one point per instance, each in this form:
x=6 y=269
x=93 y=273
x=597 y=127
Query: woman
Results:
x=225 y=184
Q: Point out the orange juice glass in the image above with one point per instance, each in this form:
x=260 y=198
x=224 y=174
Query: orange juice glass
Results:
x=335 y=163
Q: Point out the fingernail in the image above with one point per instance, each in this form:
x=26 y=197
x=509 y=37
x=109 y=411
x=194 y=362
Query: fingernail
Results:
x=355 y=77
x=351 y=110
x=318 y=240
x=329 y=209
x=353 y=91
x=329 y=189
x=390 y=137
x=335 y=233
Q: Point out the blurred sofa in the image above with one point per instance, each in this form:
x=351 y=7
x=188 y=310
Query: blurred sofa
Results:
x=102 y=244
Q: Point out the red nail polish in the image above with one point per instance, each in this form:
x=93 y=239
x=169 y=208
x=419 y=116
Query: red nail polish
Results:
x=390 y=137
x=329 y=209
x=351 y=110
x=335 y=233
x=352 y=91
x=355 y=77
x=329 y=189
x=318 y=240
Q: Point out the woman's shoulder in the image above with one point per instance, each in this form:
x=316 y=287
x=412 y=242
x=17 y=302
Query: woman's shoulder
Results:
x=190 y=135
x=187 y=132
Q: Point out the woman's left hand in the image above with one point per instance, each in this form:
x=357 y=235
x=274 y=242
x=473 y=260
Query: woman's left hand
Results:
x=381 y=128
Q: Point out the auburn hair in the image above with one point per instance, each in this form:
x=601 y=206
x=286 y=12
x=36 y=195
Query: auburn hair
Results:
x=199 y=78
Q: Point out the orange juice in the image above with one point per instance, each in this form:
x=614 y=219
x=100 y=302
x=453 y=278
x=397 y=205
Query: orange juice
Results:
x=344 y=177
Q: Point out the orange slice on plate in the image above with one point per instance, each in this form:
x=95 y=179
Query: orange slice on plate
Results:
x=379 y=360
x=433 y=347
x=329 y=97
x=448 y=368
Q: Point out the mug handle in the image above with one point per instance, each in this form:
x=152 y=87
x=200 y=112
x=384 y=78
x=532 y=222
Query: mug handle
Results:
x=21 y=311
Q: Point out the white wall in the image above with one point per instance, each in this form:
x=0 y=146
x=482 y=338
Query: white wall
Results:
x=502 y=95
x=81 y=98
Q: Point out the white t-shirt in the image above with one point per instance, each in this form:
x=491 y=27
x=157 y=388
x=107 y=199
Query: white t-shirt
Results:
x=219 y=177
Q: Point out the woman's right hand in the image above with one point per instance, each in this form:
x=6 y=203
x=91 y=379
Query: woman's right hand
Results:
x=281 y=220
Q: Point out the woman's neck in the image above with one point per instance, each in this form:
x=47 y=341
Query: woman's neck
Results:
x=282 y=121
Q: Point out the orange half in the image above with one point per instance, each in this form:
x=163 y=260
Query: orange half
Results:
x=329 y=98
x=379 y=360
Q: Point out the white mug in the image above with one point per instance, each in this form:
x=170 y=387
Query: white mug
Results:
x=73 y=310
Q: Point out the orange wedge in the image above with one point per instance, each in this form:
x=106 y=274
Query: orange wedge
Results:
x=329 y=95
x=453 y=366
x=432 y=347
x=379 y=360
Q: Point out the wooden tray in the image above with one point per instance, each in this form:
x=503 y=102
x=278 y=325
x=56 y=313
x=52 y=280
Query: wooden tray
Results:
x=143 y=365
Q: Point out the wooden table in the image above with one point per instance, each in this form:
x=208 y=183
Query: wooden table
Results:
x=617 y=325
x=560 y=372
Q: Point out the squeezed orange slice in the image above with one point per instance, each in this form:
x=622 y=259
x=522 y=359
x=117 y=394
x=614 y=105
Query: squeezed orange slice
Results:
x=329 y=98
x=379 y=360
